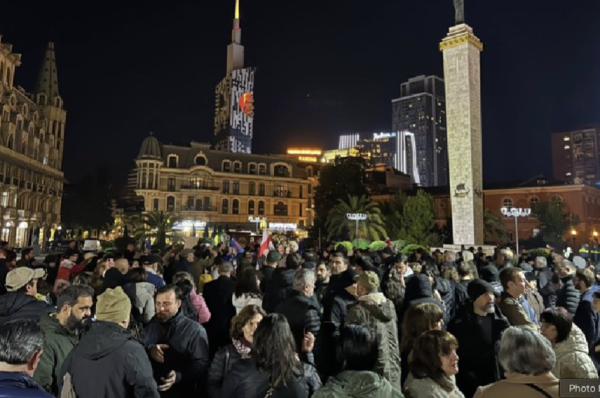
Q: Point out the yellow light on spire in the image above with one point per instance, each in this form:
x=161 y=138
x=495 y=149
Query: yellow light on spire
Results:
x=237 y=9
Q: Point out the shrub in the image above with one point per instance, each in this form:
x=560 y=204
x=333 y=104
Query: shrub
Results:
x=412 y=248
x=377 y=245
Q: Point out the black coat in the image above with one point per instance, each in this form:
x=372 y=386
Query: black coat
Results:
x=187 y=354
x=302 y=314
x=568 y=297
x=279 y=288
x=266 y=274
x=244 y=380
x=18 y=305
x=418 y=290
x=108 y=362
x=223 y=362
x=17 y=384
x=478 y=359
x=218 y=297
x=461 y=296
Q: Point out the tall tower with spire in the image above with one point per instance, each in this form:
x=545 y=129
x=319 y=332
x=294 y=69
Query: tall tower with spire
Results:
x=234 y=102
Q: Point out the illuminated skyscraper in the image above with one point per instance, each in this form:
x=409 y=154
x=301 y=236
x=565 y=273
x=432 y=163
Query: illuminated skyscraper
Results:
x=421 y=110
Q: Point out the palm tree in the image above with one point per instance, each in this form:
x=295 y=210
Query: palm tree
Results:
x=157 y=226
x=493 y=227
x=372 y=228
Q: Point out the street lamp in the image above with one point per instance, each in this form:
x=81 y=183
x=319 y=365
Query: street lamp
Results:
x=516 y=213
x=357 y=217
x=573 y=236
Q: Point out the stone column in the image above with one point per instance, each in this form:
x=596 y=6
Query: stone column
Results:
x=461 y=50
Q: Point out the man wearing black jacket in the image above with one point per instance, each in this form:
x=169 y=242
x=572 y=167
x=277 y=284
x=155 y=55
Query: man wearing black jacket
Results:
x=218 y=295
x=20 y=301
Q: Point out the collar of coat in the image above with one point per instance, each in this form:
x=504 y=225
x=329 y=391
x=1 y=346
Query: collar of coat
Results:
x=525 y=379
x=375 y=298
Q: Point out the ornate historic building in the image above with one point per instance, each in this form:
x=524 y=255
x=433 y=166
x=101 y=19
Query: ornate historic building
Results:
x=32 y=133
x=209 y=187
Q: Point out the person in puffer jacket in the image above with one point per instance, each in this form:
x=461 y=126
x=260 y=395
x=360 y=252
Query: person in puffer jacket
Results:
x=570 y=346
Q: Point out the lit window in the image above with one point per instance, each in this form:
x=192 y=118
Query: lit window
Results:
x=567 y=147
x=567 y=139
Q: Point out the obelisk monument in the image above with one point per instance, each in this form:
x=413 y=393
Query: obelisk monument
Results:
x=461 y=50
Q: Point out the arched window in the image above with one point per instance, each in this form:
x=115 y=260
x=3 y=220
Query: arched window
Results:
x=280 y=209
x=252 y=168
x=198 y=204
x=200 y=161
x=281 y=171
x=11 y=142
x=155 y=205
x=237 y=166
x=225 y=206
x=309 y=171
x=252 y=188
x=236 y=187
x=534 y=200
x=235 y=207
x=262 y=169
x=251 y=207
x=225 y=186
x=261 y=208
x=171 y=203
x=172 y=162
x=261 y=189
x=226 y=166
x=556 y=199
x=507 y=202
x=143 y=182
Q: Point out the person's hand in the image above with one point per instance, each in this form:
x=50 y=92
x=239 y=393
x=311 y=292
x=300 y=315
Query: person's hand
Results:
x=308 y=342
x=167 y=382
x=157 y=352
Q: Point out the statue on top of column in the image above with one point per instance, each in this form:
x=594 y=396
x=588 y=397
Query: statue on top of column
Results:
x=459 y=7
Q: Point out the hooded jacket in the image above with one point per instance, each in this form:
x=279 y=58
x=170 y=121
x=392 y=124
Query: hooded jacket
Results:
x=142 y=297
x=17 y=384
x=572 y=358
x=419 y=290
x=279 y=288
x=108 y=362
x=18 y=305
x=354 y=384
x=58 y=344
x=379 y=313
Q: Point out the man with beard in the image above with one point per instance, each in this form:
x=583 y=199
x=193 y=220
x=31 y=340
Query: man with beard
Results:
x=62 y=330
x=178 y=347
x=478 y=328
x=323 y=276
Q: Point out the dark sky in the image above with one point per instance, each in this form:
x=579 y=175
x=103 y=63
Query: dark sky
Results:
x=130 y=67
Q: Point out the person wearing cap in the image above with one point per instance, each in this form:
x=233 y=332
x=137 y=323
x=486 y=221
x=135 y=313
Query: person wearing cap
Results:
x=108 y=361
x=150 y=264
x=478 y=328
x=387 y=257
x=512 y=303
x=267 y=269
x=568 y=296
x=373 y=309
x=20 y=301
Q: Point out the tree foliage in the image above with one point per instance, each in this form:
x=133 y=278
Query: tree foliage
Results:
x=392 y=211
x=338 y=224
x=554 y=221
x=418 y=223
x=158 y=227
x=493 y=227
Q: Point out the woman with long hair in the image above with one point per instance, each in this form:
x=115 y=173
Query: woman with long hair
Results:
x=196 y=299
x=247 y=290
x=275 y=370
x=243 y=326
x=187 y=308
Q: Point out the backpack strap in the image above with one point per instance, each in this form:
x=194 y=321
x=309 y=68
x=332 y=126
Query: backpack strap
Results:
x=538 y=389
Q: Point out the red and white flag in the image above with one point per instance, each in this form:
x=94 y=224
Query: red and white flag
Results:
x=265 y=244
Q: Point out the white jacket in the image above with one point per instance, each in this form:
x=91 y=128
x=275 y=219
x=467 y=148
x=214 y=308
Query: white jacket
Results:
x=244 y=300
x=427 y=388
x=572 y=358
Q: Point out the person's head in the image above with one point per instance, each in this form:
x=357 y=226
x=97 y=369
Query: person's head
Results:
x=434 y=356
x=281 y=249
x=101 y=267
x=122 y=265
x=526 y=352
x=72 y=256
x=130 y=247
x=24 y=280
x=21 y=345
x=244 y=324
x=323 y=272
x=114 y=306
x=225 y=269
x=366 y=283
x=81 y=279
x=273 y=258
x=465 y=271
x=274 y=349
x=481 y=294
x=74 y=306
x=451 y=274
x=72 y=244
x=423 y=317
x=401 y=263
x=247 y=283
x=450 y=257
x=513 y=281
x=556 y=324
x=168 y=302
x=304 y=281
x=565 y=268
x=386 y=253
x=183 y=276
x=584 y=279
x=358 y=347
x=596 y=302
x=339 y=263
x=136 y=275
x=293 y=261
x=27 y=254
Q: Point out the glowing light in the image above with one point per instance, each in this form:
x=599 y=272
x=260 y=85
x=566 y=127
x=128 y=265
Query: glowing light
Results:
x=282 y=226
x=247 y=104
x=310 y=159
x=311 y=152
x=23 y=225
x=237 y=9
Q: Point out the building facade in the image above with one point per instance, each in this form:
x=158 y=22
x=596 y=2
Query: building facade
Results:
x=421 y=110
x=207 y=187
x=576 y=156
x=32 y=136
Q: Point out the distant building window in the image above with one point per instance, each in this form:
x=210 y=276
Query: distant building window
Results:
x=172 y=162
x=252 y=188
x=171 y=185
x=237 y=167
x=236 y=187
x=261 y=189
x=301 y=191
x=155 y=205
x=281 y=171
x=225 y=186
x=225 y=206
x=309 y=171
x=235 y=207
x=170 y=204
x=252 y=168
x=280 y=209
x=507 y=202
x=261 y=208
x=226 y=166
x=251 y=207
x=300 y=209
x=262 y=169
x=200 y=161
x=190 y=203
x=556 y=199
x=198 y=205
x=534 y=200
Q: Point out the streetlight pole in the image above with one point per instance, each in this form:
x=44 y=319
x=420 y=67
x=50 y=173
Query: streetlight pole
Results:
x=516 y=213
x=357 y=217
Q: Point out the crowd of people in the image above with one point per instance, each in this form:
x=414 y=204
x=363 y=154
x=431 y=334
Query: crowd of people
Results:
x=212 y=322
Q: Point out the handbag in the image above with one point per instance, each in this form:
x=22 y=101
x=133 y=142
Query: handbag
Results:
x=272 y=388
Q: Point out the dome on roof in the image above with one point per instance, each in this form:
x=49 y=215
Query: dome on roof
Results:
x=150 y=149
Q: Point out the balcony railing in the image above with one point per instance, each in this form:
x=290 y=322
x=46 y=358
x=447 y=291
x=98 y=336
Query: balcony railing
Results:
x=203 y=208
x=200 y=187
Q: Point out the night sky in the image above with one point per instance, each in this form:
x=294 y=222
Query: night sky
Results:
x=325 y=67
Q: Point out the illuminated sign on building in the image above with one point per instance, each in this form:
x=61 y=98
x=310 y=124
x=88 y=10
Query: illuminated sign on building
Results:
x=381 y=136
x=276 y=226
x=309 y=159
x=189 y=224
x=310 y=152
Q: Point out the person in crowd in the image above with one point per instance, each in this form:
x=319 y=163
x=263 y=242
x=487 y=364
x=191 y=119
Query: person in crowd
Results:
x=281 y=285
x=27 y=258
x=504 y=259
x=365 y=263
x=177 y=346
x=300 y=309
x=197 y=300
x=62 y=330
x=247 y=290
x=108 y=361
x=491 y=275
x=113 y=278
x=267 y=269
x=419 y=290
x=359 y=352
x=122 y=265
x=3 y=270
x=423 y=317
x=20 y=301
x=218 y=294
x=513 y=304
x=461 y=296
x=533 y=297
x=478 y=327
x=585 y=317
x=567 y=297
x=21 y=347
x=129 y=253
x=187 y=307
x=65 y=270
x=275 y=370
x=570 y=346
x=243 y=326
x=323 y=278
x=151 y=264
x=528 y=359
x=544 y=281
x=141 y=293
x=433 y=366
x=374 y=310
x=309 y=260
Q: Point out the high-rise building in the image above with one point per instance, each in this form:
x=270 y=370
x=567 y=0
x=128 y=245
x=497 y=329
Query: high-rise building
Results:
x=32 y=135
x=576 y=156
x=421 y=110
x=234 y=104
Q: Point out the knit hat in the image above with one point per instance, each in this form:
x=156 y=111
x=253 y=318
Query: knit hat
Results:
x=368 y=279
x=273 y=256
x=477 y=288
x=489 y=274
x=113 y=306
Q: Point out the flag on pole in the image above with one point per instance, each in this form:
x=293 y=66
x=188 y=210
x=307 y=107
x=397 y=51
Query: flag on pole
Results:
x=265 y=244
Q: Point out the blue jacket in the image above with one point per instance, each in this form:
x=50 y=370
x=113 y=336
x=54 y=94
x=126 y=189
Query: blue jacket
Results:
x=16 y=384
x=586 y=319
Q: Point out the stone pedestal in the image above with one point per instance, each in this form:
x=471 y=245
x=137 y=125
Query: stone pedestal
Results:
x=461 y=50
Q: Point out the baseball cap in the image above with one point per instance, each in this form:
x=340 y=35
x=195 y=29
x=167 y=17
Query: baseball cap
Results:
x=150 y=259
x=19 y=277
x=368 y=279
x=273 y=256
x=388 y=251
